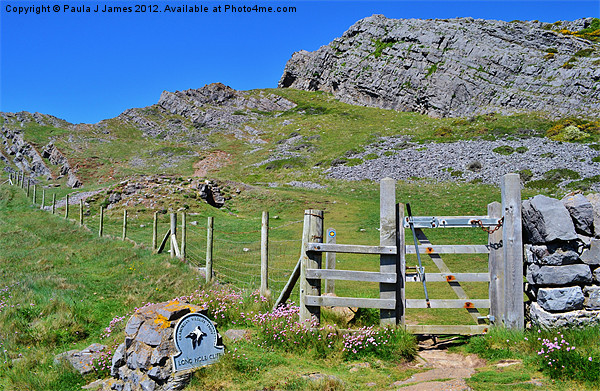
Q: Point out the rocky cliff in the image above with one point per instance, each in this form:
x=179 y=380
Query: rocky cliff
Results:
x=457 y=67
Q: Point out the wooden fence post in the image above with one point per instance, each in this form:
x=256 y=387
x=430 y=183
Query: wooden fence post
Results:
x=496 y=267
x=512 y=240
x=155 y=231
x=183 y=234
x=330 y=260
x=28 y=184
x=264 y=255
x=81 y=212
x=101 y=229
x=387 y=237
x=124 y=225
x=312 y=232
x=209 y=249
x=174 y=248
x=34 y=193
x=67 y=207
x=43 y=198
x=53 y=203
x=22 y=180
x=400 y=266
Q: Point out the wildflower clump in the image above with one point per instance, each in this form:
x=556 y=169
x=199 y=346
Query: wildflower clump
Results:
x=561 y=360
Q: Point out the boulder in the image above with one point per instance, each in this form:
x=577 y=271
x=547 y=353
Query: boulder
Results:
x=591 y=256
x=561 y=299
x=592 y=297
x=81 y=360
x=546 y=219
x=558 y=275
x=582 y=213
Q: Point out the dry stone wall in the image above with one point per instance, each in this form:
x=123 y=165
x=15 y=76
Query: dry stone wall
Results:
x=562 y=264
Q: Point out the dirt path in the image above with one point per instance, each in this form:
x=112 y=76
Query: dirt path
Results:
x=214 y=161
x=448 y=370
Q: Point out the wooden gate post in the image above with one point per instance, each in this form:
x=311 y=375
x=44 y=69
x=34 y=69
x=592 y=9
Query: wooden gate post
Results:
x=264 y=255
x=400 y=266
x=330 y=260
x=174 y=246
x=387 y=237
x=496 y=267
x=311 y=233
x=512 y=240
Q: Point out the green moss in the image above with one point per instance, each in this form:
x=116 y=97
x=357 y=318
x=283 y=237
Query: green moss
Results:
x=521 y=149
x=551 y=50
x=285 y=163
x=584 y=184
x=504 y=150
x=526 y=175
x=380 y=46
x=371 y=156
x=584 y=53
x=561 y=174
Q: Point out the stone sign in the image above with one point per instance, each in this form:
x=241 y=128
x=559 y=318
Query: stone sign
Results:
x=195 y=338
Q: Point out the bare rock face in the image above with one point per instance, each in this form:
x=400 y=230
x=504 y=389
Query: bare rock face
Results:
x=454 y=67
x=214 y=106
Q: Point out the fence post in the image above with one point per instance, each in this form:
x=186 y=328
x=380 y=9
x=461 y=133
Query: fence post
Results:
x=101 y=229
x=183 y=234
x=53 y=203
x=387 y=237
x=496 y=266
x=155 y=231
x=28 y=184
x=264 y=255
x=330 y=260
x=209 y=249
x=512 y=240
x=81 y=212
x=400 y=266
x=34 y=193
x=173 y=234
x=312 y=232
x=22 y=179
x=43 y=198
x=124 y=224
x=67 y=208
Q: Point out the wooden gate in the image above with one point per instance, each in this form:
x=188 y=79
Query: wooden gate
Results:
x=505 y=276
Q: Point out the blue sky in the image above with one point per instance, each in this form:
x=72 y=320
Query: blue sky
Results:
x=85 y=67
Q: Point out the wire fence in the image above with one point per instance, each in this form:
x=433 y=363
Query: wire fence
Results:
x=236 y=249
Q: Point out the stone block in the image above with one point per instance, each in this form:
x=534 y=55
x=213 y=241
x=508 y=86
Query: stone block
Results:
x=592 y=299
x=591 y=256
x=595 y=201
x=552 y=255
x=133 y=325
x=582 y=213
x=149 y=335
x=548 y=320
x=546 y=219
x=558 y=275
x=560 y=299
x=597 y=276
x=118 y=360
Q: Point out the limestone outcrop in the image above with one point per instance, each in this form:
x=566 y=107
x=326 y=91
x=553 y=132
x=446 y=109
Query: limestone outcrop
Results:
x=456 y=67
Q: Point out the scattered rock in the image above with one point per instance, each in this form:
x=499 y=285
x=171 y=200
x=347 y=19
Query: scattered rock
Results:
x=236 y=334
x=81 y=360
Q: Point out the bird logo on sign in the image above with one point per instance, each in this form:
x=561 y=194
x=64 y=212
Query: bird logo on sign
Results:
x=196 y=337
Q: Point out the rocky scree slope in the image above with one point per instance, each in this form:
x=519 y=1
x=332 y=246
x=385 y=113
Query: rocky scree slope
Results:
x=456 y=67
